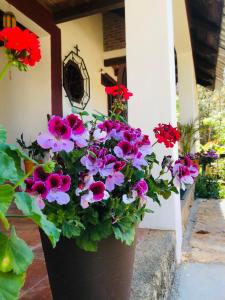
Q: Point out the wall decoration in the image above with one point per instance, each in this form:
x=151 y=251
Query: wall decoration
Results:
x=76 y=80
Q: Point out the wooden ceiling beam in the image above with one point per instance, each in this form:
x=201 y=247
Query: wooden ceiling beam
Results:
x=87 y=9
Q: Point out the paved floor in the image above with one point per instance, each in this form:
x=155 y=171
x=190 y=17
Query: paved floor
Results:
x=201 y=276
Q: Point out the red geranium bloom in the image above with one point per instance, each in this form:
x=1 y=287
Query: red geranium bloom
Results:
x=22 y=46
x=119 y=91
x=167 y=134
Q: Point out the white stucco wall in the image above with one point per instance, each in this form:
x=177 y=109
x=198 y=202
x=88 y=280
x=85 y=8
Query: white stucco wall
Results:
x=87 y=33
x=25 y=99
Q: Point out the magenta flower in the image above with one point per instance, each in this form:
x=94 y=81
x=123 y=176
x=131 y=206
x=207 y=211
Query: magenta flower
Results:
x=39 y=174
x=66 y=182
x=96 y=193
x=115 y=179
x=123 y=149
x=141 y=187
x=58 y=185
x=49 y=141
x=98 y=190
x=58 y=137
x=139 y=190
x=76 y=124
x=39 y=188
x=79 y=133
x=54 y=181
x=59 y=128
x=29 y=183
x=107 y=168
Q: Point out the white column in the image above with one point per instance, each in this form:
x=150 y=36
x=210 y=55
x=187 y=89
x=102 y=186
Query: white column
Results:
x=187 y=88
x=151 y=77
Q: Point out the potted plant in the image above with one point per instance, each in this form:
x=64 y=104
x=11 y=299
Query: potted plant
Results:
x=104 y=165
x=188 y=136
x=34 y=151
x=15 y=254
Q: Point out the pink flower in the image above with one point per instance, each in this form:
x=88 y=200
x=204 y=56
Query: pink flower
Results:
x=40 y=174
x=39 y=188
x=184 y=172
x=29 y=183
x=96 y=193
x=115 y=179
x=58 y=137
x=76 y=124
x=141 y=187
x=98 y=190
x=66 y=182
x=59 y=128
x=58 y=185
x=139 y=190
x=58 y=196
x=54 y=181
x=123 y=149
x=49 y=141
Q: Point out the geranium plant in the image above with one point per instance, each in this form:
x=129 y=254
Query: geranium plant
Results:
x=15 y=254
x=22 y=49
x=110 y=166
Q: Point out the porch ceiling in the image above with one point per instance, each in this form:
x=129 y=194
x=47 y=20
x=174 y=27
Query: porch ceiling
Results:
x=204 y=16
x=65 y=10
x=205 y=19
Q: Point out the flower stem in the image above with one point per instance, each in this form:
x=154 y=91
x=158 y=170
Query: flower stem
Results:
x=5 y=69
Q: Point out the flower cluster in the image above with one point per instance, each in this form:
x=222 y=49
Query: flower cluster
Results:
x=24 y=45
x=48 y=187
x=119 y=91
x=184 y=172
x=64 y=134
x=167 y=134
x=130 y=148
x=22 y=49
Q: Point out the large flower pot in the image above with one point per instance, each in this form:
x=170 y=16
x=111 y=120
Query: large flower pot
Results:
x=75 y=274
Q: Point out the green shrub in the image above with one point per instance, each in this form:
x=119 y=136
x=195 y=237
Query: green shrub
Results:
x=207 y=187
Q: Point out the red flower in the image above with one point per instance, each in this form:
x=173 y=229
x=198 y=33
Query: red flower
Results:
x=22 y=45
x=167 y=134
x=121 y=91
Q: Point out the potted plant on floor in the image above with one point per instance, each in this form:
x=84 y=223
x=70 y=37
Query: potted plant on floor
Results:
x=107 y=167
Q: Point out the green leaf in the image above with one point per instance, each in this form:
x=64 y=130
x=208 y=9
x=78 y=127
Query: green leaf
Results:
x=49 y=166
x=6 y=197
x=84 y=242
x=7 y=168
x=15 y=255
x=3 y=134
x=16 y=158
x=20 y=153
x=10 y=285
x=72 y=228
x=29 y=207
x=101 y=231
x=124 y=232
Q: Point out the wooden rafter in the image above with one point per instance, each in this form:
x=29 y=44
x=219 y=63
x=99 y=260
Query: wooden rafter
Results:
x=86 y=9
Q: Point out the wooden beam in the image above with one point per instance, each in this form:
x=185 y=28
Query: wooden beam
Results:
x=205 y=25
x=86 y=9
x=115 y=61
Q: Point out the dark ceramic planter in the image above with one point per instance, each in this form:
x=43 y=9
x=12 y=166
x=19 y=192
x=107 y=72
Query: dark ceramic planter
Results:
x=75 y=274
